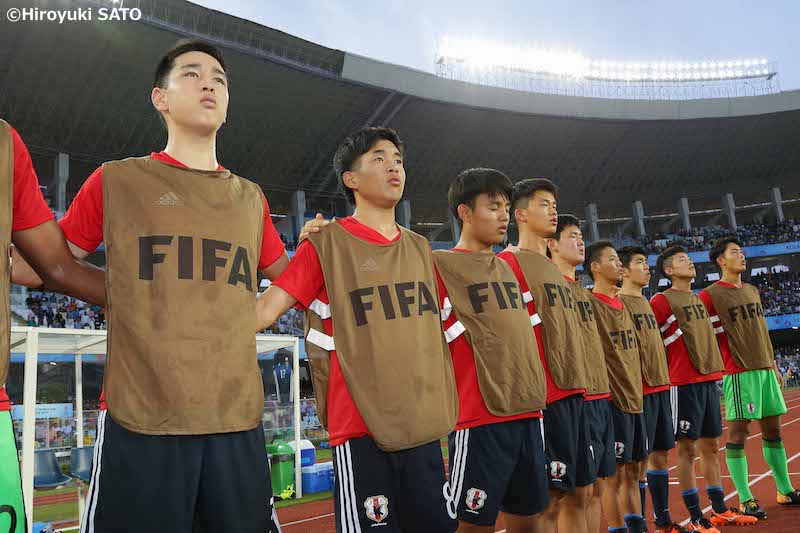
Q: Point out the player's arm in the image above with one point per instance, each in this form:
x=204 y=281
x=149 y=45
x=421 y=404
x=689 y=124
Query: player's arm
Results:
x=273 y=259
x=43 y=250
x=271 y=305
x=667 y=322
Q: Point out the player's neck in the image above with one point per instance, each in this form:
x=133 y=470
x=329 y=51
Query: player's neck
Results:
x=380 y=219
x=469 y=242
x=194 y=151
x=732 y=278
x=532 y=242
x=605 y=287
x=630 y=289
x=564 y=267
x=683 y=285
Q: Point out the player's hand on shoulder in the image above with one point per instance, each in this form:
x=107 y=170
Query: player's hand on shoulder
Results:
x=313 y=226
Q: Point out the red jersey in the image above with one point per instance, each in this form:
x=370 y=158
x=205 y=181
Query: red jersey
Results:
x=553 y=392
x=681 y=369
x=29 y=207
x=304 y=280
x=722 y=338
x=83 y=222
x=472 y=411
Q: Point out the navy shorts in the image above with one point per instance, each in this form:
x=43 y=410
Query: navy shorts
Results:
x=601 y=432
x=497 y=467
x=391 y=491
x=630 y=436
x=567 y=444
x=183 y=483
x=660 y=422
x=698 y=414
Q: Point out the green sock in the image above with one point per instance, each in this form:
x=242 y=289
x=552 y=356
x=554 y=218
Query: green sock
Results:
x=775 y=454
x=737 y=465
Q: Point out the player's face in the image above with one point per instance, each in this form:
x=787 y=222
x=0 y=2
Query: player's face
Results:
x=638 y=271
x=608 y=265
x=540 y=216
x=378 y=176
x=196 y=93
x=733 y=259
x=488 y=221
x=569 y=246
x=682 y=267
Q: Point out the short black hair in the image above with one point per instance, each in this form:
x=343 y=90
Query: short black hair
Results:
x=525 y=189
x=664 y=260
x=564 y=221
x=182 y=47
x=592 y=253
x=719 y=247
x=356 y=145
x=626 y=254
x=473 y=182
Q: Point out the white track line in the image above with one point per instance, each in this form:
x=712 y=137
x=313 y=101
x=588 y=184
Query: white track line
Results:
x=307 y=520
x=756 y=480
x=748 y=438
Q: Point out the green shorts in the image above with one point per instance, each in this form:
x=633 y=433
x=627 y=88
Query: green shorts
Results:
x=753 y=395
x=12 y=508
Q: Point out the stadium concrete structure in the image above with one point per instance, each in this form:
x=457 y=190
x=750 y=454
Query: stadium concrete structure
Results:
x=79 y=94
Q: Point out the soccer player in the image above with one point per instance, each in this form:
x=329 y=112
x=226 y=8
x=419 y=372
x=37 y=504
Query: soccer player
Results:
x=695 y=365
x=181 y=444
x=567 y=250
x=552 y=304
x=380 y=364
x=655 y=383
x=496 y=450
x=752 y=383
x=27 y=222
x=622 y=501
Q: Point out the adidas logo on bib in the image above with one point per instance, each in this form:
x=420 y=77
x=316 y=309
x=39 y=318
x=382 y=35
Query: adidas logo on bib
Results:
x=171 y=199
x=370 y=266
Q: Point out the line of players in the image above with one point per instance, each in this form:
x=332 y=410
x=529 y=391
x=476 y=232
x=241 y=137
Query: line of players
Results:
x=551 y=396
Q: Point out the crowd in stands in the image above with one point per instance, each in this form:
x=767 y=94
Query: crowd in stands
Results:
x=47 y=309
x=787 y=358
x=780 y=292
x=290 y=243
x=699 y=239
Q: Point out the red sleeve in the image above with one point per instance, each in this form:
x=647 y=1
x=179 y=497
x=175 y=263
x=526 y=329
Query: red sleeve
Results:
x=271 y=244
x=83 y=223
x=667 y=322
x=303 y=277
x=509 y=258
x=706 y=298
x=446 y=308
x=29 y=207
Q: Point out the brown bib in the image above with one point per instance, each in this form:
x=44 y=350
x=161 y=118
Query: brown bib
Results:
x=651 y=345
x=182 y=247
x=698 y=335
x=618 y=336
x=741 y=316
x=555 y=305
x=388 y=335
x=320 y=361
x=595 y=361
x=6 y=221
x=487 y=301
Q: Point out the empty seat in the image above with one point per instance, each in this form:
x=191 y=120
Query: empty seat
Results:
x=46 y=472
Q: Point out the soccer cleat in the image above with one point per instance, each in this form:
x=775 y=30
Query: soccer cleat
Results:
x=672 y=528
x=751 y=508
x=793 y=498
x=702 y=525
x=732 y=517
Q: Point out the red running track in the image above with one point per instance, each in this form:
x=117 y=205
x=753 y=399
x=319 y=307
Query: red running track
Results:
x=318 y=517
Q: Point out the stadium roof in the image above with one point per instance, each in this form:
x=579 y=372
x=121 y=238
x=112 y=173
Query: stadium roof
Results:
x=83 y=88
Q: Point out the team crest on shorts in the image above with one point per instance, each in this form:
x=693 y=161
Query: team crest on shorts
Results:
x=684 y=425
x=377 y=508
x=475 y=498
x=557 y=470
x=619 y=449
x=751 y=408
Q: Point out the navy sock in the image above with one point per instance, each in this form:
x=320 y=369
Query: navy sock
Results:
x=692 y=502
x=635 y=523
x=618 y=529
x=717 y=498
x=658 y=481
x=643 y=495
